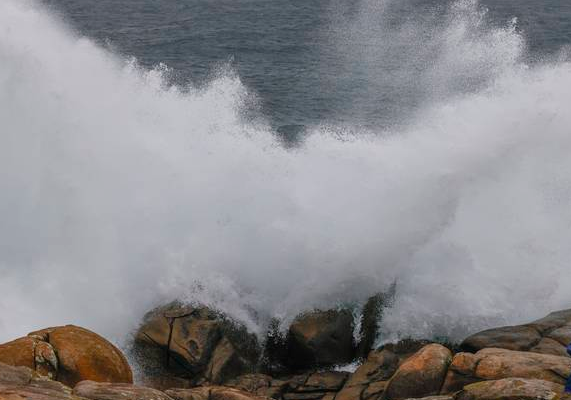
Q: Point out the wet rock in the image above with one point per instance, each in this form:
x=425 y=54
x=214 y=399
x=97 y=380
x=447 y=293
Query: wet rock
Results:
x=461 y=372
x=371 y=376
x=69 y=354
x=519 y=338
x=17 y=383
x=494 y=364
x=196 y=343
x=550 y=346
x=325 y=381
x=212 y=393
x=561 y=335
x=511 y=389
x=116 y=391
x=421 y=375
x=321 y=338
x=435 y=398
x=552 y=321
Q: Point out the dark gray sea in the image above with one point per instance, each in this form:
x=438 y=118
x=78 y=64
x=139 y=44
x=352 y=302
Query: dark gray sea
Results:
x=307 y=60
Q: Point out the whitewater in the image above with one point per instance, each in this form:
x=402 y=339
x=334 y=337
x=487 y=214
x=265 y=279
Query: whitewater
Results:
x=120 y=191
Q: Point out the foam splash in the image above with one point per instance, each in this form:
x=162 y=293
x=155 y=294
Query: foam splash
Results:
x=120 y=192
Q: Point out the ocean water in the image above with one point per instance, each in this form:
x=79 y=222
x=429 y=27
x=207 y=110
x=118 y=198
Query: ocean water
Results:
x=269 y=157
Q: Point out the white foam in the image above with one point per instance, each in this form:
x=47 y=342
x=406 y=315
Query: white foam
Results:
x=119 y=193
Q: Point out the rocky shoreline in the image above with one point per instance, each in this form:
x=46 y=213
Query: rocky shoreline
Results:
x=195 y=353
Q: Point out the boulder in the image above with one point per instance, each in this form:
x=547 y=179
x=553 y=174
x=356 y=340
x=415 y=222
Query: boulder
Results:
x=511 y=389
x=556 y=326
x=370 y=380
x=196 y=343
x=495 y=364
x=212 y=393
x=116 y=391
x=562 y=335
x=519 y=338
x=461 y=372
x=69 y=354
x=421 y=375
x=22 y=383
x=550 y=346
x=321 y=338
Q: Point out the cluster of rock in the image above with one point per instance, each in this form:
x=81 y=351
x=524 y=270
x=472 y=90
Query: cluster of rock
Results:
x=198 y=354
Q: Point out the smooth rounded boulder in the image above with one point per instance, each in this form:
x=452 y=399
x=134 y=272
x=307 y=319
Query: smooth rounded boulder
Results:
x=116 y=391
x=421 y=375
x=68 y=354
x=511 y=389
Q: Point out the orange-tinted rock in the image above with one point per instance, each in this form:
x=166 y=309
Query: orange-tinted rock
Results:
x=421 y=375
x=117 y=391
x=69 y=354
x=511 y=389
x=19 y=352
x=494 y=364
x=460 y=373
x=84 y=355
x=198 y=393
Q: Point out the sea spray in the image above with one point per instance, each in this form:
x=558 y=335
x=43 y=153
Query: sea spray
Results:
x=120 y=192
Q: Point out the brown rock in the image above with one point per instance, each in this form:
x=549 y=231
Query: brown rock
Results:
x=435 y=398
x=351 y=392
x=224 y=393
x=562 y=335
x=116 y=391
x=379 y=366
x=199 y=393
x=226 y=363
x=84 y=355
x=460 y=373
x=550 y=346
x=253 y=383
x=510 y=337
x=421 y=375
x=19 y=352
x=494 y=364
x=552 y=321
x=321 y=338
x=194 y=342
x=17 y=383
x=16 y=375
x=512 y=389
x=326 y=381
x=69 y=354
x=375 y=390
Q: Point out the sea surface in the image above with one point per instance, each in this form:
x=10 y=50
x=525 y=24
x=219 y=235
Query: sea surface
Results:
x=349 y=62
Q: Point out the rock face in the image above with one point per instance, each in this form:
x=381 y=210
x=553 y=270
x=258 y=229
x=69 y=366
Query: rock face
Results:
x=321 y=338
x=495 y=364
x=421 y=375
x=212 y=393
x=22 y=383
x=511 y=389
x=549 y=335
x=116 y=391
x=196 y=343
x=69 y=354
